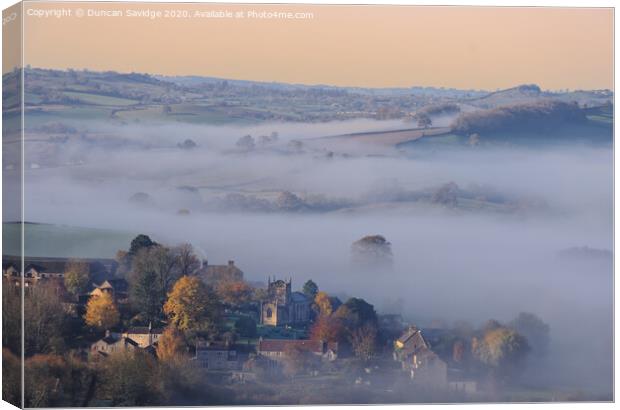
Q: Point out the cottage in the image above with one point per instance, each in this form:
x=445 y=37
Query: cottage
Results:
x=117 y=288
x=221 y=355
x=417 y=358
x=282 y=306
x=112 y=343
x=144 y=336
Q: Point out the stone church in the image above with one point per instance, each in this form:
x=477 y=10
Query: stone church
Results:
x=282 y=306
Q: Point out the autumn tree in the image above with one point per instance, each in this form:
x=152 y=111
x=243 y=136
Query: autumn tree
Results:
x=77 y=277
x=323 y=304
x=503 y=350
x=171 y=346
x=192 y=306
x=234 y=292
x=327 y=328
x=101 y=312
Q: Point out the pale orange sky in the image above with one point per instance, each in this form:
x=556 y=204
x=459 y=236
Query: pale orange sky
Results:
x=371 y=46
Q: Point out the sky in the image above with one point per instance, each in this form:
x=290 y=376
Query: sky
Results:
x=366 y=46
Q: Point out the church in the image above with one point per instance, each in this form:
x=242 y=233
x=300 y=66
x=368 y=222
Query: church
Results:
x=282 y=306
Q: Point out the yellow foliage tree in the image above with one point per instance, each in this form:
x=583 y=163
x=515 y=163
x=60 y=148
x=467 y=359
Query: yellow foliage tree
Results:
x=323 y=303
x=191 y=305
x=171 y=345
x=101 y=312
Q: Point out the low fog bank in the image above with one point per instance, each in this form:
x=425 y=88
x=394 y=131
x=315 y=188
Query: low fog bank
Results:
x=451 y=263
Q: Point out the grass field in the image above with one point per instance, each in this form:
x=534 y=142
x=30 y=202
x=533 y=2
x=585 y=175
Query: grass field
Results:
x=44 y=240
x=97 y=99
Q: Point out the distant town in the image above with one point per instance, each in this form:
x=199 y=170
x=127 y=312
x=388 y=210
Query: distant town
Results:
x=159 y=325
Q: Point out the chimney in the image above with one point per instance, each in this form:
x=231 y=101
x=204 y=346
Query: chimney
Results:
x=107 y=333
x=205 y=263
x=231 y=263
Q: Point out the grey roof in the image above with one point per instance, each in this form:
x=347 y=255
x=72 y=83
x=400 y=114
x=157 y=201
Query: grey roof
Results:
x=299 y=297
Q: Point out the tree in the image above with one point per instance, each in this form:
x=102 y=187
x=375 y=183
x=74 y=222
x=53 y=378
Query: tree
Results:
x=355 y=313
x=298 y=360
x=246 y=143
x=11 y=377
x=192 y=306
x=502 y=350
x=77 y=277
x=372 y=251
x=162 y=262
x=140 y=242
x=323 y=304
x=245 y=326
x=534 y=330
x=101 y=312
x=424 y=121
x=310 y=289
x=187 y=260
x=129 y=379
x=44 y=320
x=234 y=292
x=145 y=295
x=171 y=346
x=42 y=376
x=327 y=328
x=12 y=317
x=364 y=341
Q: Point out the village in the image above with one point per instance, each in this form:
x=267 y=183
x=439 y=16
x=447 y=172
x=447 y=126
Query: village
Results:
x=182 y=312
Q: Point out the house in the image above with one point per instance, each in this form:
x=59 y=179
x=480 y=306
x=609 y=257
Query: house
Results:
x=423 y=365
x=211 y=274
x=117 y=288
x=282 y=306
x=112 y=343
x=144 y=336
x=277 y=349
x=221 y=355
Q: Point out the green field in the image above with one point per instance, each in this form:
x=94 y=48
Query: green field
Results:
x=97 y=99
x=44 y=240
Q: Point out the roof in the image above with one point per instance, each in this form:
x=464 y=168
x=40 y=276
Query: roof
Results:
x=118 y=285
x=299 y=297
x=280 y=345
x=219 y=272
x=412 y=341
x=143 y=330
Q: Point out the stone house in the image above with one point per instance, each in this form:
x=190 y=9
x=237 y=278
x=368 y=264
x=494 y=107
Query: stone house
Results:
x=212 y=274
x=112 y=343
x=221 y=356
x=416 y=357
x=144 y=336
